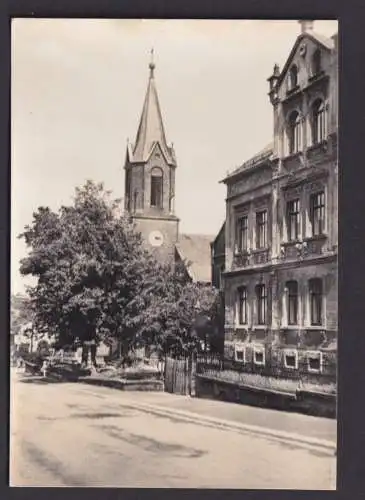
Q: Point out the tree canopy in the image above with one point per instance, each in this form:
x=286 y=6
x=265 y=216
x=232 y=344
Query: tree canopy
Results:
x=95 y=279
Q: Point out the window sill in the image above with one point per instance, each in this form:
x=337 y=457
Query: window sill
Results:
x=317 y=237
x=289 y=367
x=243 y=253
x=321 y=145
x=289 y=327
x=315 y=327
x=293 y=90
x=291 y=243
x=316 y=76
x=259 y=327
x=259 y=250
x=292 y=156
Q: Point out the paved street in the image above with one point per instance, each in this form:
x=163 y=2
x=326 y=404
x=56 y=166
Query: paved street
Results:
x=77 y=435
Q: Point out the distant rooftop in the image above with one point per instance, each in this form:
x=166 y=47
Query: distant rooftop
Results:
x=255 y=160
x=196 y=250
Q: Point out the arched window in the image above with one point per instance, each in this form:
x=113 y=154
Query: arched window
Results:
x=316 y=62
x=318 y=121
x=294 y=132
x=156 y=187
x=293 y=77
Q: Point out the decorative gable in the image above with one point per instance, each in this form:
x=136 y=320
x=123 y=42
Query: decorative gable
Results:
x=308 y=60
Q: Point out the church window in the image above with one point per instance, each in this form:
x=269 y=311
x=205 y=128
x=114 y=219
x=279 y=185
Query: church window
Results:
x=156 y=187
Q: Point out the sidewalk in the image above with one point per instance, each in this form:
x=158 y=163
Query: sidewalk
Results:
x=290 y=427
x=312 y=427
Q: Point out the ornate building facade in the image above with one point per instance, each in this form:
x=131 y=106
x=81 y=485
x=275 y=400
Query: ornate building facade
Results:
x=280 y=279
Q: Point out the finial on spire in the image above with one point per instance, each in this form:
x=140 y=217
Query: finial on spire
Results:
x=152 y=64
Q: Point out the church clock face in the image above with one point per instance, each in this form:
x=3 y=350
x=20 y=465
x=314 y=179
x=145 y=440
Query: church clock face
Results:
x=155 y=238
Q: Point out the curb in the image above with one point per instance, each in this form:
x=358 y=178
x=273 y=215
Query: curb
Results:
x=321 y=445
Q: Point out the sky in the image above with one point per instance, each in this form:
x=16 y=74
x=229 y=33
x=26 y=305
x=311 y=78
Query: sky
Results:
x=77 y=92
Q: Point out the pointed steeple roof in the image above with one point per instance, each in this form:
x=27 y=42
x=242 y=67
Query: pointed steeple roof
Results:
x=151 y=130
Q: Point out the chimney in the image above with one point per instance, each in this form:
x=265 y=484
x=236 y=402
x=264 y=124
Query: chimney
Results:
x=306 y=25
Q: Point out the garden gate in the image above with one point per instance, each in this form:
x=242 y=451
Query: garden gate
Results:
x=179 y=375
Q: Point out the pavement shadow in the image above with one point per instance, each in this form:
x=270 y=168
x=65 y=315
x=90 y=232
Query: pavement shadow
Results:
x=40 y=380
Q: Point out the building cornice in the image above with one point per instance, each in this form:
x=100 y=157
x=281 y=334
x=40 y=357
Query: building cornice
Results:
x=273 y=266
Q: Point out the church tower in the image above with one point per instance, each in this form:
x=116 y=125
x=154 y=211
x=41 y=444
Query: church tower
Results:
x=150 y=178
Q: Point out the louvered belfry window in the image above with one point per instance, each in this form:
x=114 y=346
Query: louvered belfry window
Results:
x=156 y=188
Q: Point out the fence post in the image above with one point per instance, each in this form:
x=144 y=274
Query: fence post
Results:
x=190 y=372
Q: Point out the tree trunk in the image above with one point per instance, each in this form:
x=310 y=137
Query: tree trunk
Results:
x=85 y=354
x=93 y=354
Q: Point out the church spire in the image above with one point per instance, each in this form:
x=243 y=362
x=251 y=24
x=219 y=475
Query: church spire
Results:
x=151 y=130
x=152 y=64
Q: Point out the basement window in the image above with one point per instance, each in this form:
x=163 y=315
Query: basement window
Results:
x=259 y=356
x=314 y=360
x=240 y=353
x=291 y=359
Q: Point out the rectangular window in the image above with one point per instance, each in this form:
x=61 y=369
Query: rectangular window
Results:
x=242 y=234
x=261 y=304
x=259 y=356
x=291 y=359
x=261 y=229
x=292 y=287
x=293 y=219
x=317 y=213
x=242 y=306
x=314 y=361
x=240 y=353
x=156 y=191
x=315 y=301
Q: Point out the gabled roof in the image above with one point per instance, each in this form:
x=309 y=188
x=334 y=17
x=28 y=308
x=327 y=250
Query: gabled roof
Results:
x=150 y=130
x=260 y=157
x=196 y=250
x=324 y=41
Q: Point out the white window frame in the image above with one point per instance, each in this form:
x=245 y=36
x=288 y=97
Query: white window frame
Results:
x=315 y=355
x=259 y=350
x=240 y=347
x=291 y=352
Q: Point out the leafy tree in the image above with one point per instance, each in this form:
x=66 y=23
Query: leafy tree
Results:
x=174 y=313
x=95 y=279
x=90 y=264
